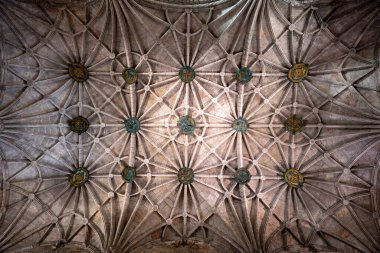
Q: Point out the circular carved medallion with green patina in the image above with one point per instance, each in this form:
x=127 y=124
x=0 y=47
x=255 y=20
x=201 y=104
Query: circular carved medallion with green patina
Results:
x=130 y=75
x=294 y=124
x=78 y=72
x=79 y=125
x=185 y=175
x=78 y=177
x=186 y=74
x=242 y=176
x=186 y=125
x=294 y=178
x=298 y=73
x=132 y=125
x=240 y=125
x=244 y=75
x=128 y=174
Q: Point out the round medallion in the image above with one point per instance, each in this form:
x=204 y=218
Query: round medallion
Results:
x=78 y=72
x=185 y=175
x=186 y=124
x=128 y=174
x=240 y=125
x=244 y=75
x=79 y=125
x=298 y=73
x=78 y=177
x=242 y=176
x=130 y=75
x=294 y=124
x=132 y=125
x=294 y=178
x=187 y=74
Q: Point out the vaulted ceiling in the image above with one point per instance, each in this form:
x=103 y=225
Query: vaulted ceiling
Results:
x=189 y=126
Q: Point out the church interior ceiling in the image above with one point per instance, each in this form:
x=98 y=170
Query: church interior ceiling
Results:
x=206 y=126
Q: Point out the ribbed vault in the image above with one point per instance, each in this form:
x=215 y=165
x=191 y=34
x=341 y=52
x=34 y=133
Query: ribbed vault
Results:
x=229 y=126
